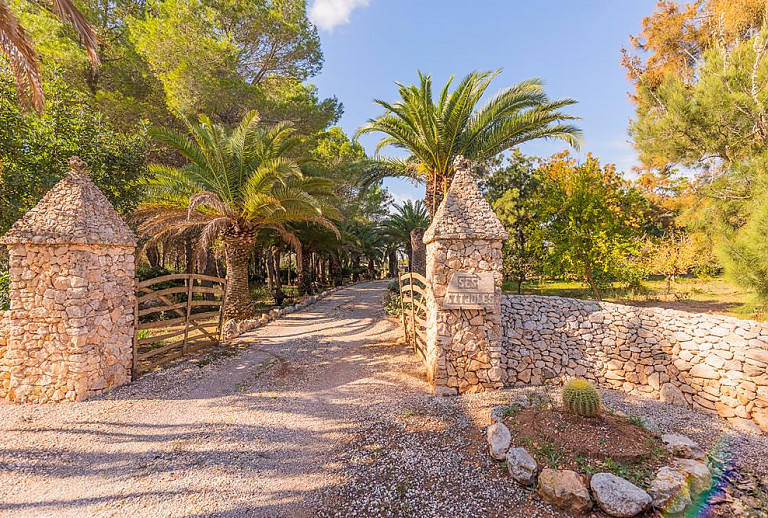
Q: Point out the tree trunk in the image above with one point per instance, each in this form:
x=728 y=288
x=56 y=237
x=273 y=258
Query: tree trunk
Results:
x=336 y=276
x=238 y=304
x=279 y=294
x=409 y=255
x=153 y=256
x=302 y=265
x=210 y=269
x=393 y=263
x=270 y=270
x=355 y=268
x=591 y=282
x=418 y=251
x=189 y=255
x=435 y=192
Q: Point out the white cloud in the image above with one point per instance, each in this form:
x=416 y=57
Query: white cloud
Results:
x=327 y=14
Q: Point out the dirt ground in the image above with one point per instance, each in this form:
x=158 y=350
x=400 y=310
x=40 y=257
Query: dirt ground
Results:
x=320 y=413
x=274 y=427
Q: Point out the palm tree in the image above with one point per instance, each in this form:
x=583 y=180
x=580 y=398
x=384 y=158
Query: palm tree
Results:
x=22 y=57
x=236 y=185
x=435 y=133
x=398 y=226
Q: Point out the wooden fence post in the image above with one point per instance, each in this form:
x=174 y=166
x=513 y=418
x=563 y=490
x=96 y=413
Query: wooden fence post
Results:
x=135 y=358
x=190 y=281
x=413 y=310
x=221 y=307
x=402 y=306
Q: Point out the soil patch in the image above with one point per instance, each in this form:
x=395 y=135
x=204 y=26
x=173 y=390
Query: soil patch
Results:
x=560 y=439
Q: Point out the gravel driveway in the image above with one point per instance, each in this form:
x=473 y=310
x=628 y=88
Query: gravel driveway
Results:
x=321 y=412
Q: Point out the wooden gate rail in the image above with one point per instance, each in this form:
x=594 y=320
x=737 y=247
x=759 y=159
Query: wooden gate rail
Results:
x=166 y=317
x=413 y=306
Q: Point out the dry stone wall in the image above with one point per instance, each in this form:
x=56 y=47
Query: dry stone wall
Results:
x=700 y=361
x=5 y=331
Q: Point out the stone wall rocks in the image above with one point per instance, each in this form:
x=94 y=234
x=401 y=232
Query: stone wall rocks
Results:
x=5 y=331
x=706 y=362
x=69 y=334
x=464 y=351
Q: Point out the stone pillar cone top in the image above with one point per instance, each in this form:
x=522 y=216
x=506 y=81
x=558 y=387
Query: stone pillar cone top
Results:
x=74 y=211
x=464 y=212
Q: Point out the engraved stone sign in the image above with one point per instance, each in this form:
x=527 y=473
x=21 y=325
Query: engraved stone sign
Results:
x=468 y=290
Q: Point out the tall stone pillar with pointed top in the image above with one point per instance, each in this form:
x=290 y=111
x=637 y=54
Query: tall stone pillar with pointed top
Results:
x=70 y=331
x=464 y=271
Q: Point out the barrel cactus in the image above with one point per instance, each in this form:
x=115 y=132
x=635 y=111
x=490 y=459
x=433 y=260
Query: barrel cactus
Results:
x=581 y=398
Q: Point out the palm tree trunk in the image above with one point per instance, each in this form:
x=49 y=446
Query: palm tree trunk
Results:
x=356 y=268
x=189 y=255
x=279 y=295
x=303 y=274
x=436 y=188
x=393 y=263
x=418 y=251
x=153 y=256
x=337 y=278
x=238 y=305
x=409 y=253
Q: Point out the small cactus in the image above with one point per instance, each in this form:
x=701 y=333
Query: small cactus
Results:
x=581 y=398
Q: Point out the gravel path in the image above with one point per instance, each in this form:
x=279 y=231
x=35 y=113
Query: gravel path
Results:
x=318 y=413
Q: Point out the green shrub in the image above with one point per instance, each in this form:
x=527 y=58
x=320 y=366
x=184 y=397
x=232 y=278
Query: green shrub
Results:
x=392 y=304
x=5 y=286
x=581 y=398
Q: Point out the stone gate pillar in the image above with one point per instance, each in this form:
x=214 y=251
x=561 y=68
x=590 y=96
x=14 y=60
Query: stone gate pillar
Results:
x=72 y=296
x=464 y=271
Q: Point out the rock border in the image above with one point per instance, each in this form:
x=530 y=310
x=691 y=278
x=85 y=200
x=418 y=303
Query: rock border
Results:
x=673 y=488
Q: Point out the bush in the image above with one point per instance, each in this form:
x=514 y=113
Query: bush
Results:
x=35 y=149
x=581 y=397
x=5 y=286
x=392 y=304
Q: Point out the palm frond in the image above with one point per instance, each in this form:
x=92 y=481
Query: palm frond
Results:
x=67 y=11
x=22 y=59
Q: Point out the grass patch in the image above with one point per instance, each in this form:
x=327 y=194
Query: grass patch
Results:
x=700 y=295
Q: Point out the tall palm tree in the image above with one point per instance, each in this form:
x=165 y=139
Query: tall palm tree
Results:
x=398 y=226
x=434 y=133
x=24 y=60
x=235 y=185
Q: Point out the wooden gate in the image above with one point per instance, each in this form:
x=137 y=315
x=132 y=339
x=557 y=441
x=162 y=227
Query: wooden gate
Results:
x=413 y=304
x=175 y=315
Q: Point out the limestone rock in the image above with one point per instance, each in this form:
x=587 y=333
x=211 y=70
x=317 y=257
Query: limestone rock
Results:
x=697 y=475
x=522 y=466
x=564 y=489
x=499 y=439
x=760 y=416
x=682 y=446
x=672 y=395
x=229 y=329
x=670 y=491
x=497 y=413
x=444 y=391
x=618 y=497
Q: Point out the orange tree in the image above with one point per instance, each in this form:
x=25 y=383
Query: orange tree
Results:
x=593 y=220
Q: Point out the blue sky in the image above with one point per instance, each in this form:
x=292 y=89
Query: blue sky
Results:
x=575 y=47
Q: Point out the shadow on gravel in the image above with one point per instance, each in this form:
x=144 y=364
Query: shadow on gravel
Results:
x=42 y=505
